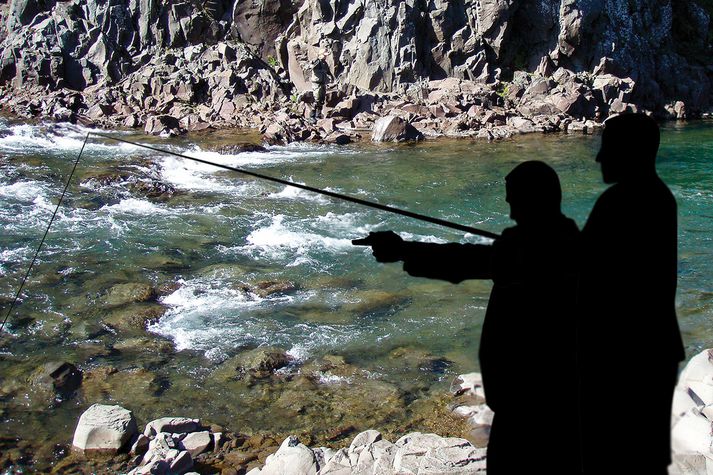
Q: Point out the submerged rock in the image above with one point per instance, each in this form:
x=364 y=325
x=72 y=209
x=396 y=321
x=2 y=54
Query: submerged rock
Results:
x=266 y=288
x=57 y=377
x=122 y=294
x=239 y=148
x=134 y=316
x=104 y=429
x=107 y=383
x=257 y=363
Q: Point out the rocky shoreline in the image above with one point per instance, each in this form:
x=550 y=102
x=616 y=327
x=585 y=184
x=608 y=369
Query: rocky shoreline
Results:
x=482 y=71
x=107 y=440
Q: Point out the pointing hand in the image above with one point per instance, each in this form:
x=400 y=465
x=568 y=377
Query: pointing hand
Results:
x=387 y=246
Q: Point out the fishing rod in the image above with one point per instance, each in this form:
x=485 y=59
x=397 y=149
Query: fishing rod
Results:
x=370 y=204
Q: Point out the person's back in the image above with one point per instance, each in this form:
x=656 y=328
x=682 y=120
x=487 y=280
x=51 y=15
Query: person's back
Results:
x=527 y=353
x=629 y=337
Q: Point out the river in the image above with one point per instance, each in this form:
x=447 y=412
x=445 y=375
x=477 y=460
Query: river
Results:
x=216 y=234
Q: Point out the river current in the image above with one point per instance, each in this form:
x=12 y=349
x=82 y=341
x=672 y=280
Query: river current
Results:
x=218 y=234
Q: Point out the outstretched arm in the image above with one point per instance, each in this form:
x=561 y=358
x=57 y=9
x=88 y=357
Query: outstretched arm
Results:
x=452 y=262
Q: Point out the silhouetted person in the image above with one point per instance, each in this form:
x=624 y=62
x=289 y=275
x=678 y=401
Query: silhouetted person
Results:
x=629 y=338
x=527 y=353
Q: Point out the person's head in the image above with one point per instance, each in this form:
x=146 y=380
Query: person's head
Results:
x=629 y=146
x=532 y=189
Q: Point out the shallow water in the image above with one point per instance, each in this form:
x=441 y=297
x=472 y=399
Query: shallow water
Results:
x=220 y=232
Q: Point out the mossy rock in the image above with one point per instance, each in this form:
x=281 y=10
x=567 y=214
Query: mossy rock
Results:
x=257 y=363
x=123 y=294
x=266 y=288
x=134 y=317
x=223 y=271
x=56 y=377
x=107 y=384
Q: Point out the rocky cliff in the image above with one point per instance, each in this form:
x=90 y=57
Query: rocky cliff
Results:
x=460 y=67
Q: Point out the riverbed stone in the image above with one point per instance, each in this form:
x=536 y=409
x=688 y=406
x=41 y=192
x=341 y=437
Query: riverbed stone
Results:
x=122 y=294
x=57 y=377
x=172 y=425
x=266 y=288
x=134 y=317
x=257 y=363
x=104 y=429
x=108 y=383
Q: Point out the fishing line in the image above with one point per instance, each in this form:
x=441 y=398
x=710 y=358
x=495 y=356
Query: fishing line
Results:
x=49 y=225
x=370 y=204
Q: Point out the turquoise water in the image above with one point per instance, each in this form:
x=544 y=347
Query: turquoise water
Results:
x=220 y=232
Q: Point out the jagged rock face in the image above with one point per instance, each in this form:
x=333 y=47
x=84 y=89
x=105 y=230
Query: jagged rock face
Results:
x=258 y=24
x=382 y=45
x=375 y=45
x=79 y=43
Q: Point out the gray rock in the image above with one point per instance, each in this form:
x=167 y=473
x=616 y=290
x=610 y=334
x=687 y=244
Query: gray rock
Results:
x=338 y=464
x=165 y=125
x=172 y=425
x=196 y=442
x=394 y=129
x=140 y=446
x=181 y=463
x=104 y=429
x=292 y=458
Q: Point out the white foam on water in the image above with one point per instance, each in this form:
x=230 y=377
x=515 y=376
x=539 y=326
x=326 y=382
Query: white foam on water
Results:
x=56 y=137
x=210 y=315
x=347 y=223
x=294 y=193
x=23 y=190
x=422 y=238
x=189 y=175
x=11 y=256
x=137 y=207
x=279 y=241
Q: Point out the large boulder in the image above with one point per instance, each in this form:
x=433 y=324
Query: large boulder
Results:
x=394 y=129
x=104 y=429
x=692 y=429
x=292 y=458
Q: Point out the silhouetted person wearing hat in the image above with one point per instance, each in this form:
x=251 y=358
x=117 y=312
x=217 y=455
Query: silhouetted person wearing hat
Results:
x=527 y=348
x=629 y=337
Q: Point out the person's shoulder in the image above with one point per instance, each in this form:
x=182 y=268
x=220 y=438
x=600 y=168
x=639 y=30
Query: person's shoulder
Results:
x=569 y=226
x=513 y=232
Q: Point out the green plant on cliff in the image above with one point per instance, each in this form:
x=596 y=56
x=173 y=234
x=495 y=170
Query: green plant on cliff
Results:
x=272 y=62
x=503 y=89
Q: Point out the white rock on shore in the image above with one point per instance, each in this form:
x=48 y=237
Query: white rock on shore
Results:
x=104 y=429
x=370 y=453
x=692 y=418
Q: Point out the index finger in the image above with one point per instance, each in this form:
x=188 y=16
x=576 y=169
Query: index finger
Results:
x=367 y=241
